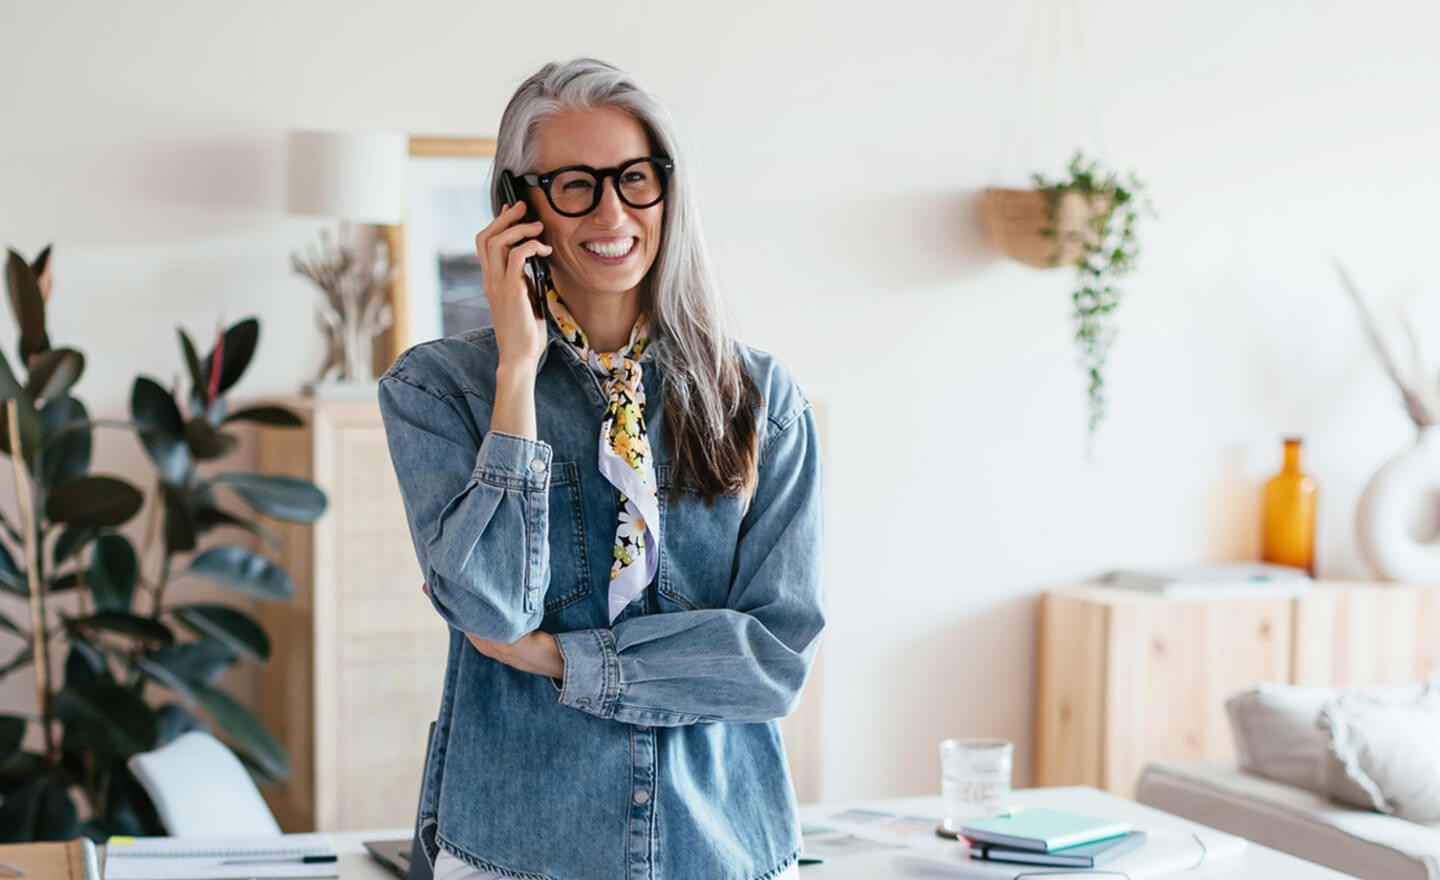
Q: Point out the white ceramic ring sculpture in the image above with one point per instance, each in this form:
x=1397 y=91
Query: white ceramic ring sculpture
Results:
x=1389 y=507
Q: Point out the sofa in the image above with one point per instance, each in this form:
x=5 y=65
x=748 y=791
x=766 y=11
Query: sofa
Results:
x=1349 y=779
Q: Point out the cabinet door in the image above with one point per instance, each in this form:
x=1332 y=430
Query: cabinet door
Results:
x=1125 y=679
x=383 y=646
x=1366 y=633
x=1172 y=665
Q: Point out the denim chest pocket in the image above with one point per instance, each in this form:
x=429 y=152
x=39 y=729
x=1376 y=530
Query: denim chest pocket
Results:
x=569 y=568
x=697 y=541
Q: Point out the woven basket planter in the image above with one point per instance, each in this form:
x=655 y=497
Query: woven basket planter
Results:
x=1015 y=220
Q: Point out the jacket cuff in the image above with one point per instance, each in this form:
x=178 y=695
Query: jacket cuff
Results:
x=513 y=462
x=592 y=671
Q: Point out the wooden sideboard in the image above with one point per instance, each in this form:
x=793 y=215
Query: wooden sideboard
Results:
x=1127 y=677
x=359 y=655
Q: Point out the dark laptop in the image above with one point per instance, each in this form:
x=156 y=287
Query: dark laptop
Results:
x=405 y=857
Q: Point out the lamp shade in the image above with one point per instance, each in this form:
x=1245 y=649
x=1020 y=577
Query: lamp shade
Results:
x=353 y=176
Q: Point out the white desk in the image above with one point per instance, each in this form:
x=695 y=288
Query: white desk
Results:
x=1258 y=861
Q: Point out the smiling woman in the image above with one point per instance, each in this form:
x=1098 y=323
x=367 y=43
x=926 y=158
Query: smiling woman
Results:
x=616 y=507
x=438 y=290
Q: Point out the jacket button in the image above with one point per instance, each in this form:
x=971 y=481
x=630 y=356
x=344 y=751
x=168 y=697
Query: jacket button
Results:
x=642 y=796
x=538 y=465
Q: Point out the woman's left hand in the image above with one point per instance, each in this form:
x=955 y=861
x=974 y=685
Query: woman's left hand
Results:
x=537 y=653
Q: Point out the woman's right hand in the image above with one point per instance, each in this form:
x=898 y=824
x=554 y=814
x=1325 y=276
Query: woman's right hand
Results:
x=503 y=247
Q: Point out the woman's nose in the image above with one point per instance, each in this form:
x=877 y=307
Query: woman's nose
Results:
x=610 y=211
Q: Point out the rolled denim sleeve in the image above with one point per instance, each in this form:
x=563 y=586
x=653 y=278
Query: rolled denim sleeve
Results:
x=477 y=507
x=746 y=662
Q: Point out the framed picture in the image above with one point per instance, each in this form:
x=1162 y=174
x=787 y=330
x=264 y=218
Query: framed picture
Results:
x=437 y=288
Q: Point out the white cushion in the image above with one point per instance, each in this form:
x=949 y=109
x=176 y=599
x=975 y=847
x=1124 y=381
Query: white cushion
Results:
x=1361 y=843
x=200 y=789
x=1384 y=755
x=1275 y=732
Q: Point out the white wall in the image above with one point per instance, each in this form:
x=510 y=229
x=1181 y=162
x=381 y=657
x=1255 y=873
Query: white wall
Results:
x=840 y=147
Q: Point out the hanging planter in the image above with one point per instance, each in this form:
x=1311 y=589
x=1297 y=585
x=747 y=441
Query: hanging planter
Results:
x=1085 y=220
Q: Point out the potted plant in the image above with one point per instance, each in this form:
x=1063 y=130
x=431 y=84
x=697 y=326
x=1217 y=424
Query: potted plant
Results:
x=1085 y=219
x=139 y=663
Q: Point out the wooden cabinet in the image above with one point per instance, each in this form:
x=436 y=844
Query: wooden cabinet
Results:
x=1126 y=677
x=358 y=657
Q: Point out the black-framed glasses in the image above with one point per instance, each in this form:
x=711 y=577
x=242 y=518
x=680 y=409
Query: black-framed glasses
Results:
x=575 y=190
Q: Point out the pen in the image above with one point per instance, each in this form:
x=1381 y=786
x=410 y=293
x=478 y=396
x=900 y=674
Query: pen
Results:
x=303 y=860
x=11 y=870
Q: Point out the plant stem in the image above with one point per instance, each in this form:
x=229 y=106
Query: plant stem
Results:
x=25 y=505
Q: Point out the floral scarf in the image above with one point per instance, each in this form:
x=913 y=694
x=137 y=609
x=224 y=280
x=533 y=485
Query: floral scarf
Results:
x=624 y=456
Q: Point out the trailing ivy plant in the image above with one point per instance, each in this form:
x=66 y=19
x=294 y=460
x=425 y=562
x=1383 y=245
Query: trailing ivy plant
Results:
x=1108 y=249
x=140 y=662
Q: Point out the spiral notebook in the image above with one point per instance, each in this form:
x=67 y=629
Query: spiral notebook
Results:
x=173 y=858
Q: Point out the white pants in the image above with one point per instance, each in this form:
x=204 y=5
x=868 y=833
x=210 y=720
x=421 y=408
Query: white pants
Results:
x=447 y=867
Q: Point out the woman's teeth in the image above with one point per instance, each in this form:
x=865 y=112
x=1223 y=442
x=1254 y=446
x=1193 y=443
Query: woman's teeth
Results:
x=610 y=249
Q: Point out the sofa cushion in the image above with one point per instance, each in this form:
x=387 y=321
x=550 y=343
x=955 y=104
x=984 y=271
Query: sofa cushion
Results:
x=1362 y=843
x=1384 y=754
x=1275 y=732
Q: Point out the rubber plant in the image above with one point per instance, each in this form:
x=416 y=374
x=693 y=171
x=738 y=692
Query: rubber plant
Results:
x=140 y=663
x=1108 y=248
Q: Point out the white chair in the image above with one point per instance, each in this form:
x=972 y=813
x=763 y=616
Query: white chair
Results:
x=200 y=789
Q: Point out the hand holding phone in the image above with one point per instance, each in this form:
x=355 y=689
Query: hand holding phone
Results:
x=538 y=274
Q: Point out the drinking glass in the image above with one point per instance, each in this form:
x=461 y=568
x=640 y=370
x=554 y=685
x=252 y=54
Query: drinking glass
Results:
x=974 y=778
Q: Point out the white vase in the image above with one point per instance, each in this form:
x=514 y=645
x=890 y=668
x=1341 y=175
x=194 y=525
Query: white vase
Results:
x=1398 y=508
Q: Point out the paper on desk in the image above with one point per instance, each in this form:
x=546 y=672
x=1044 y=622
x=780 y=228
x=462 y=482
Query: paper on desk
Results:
x=1164 y=853
x=173 y=858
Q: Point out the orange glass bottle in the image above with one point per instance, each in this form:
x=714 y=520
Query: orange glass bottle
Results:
x=1288 y=515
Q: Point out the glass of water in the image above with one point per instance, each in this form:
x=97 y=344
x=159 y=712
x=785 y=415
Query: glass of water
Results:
x=974 y=779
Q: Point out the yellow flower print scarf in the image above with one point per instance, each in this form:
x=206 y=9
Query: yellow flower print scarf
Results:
x=624 y=456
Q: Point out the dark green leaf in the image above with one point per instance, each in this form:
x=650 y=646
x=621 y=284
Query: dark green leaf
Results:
x=40 y=264
x=12 y=732
x=207 y=518
x=32 y=431
x=192 y=363
x=66 y=455
x=93 y=501
x=19 y=768
x=275 y=416
x=240 y=342
x=206 y=443
x=107 y=717
x=246 y=731
x=179 y=520
x=129 y=810
x=38 y=810
x=114 y=569
x=12 y=579
x=131 y=625
x=54 y=372
x=71 y=541
x=85 y=663
x=11 y=626
x=175 y=719
x=244 y=570
x=24 y=657
x=163 y=429
x=284 y=498
x=198 y=662
x=236 y=629
x=67 y=581
x=28 y=304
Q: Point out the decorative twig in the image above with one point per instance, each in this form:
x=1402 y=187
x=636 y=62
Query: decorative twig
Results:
x=1414 y=405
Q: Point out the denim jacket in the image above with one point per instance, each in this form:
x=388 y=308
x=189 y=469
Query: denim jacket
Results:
x=658 y=755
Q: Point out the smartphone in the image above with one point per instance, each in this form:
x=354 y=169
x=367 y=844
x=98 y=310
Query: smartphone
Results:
x=538 y=274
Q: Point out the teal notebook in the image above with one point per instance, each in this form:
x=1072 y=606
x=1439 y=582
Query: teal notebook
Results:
x=1041 y=830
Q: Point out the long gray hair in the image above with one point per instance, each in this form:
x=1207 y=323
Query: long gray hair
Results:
x=709 y=398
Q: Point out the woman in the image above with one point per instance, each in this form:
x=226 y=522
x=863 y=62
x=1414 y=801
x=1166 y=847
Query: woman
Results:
x=617 y=511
